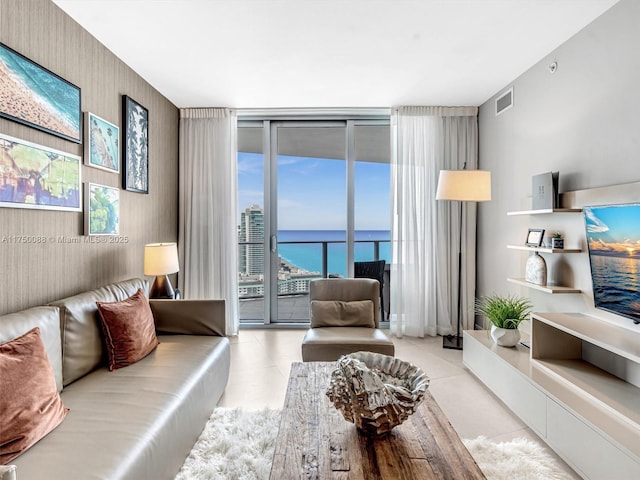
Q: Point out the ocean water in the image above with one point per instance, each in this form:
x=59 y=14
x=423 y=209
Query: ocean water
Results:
x=308 y=256
x=616 y=284
x=55 y=94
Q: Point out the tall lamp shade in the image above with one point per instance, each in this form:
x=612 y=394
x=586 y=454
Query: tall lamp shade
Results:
x=462 y=186
x=161 y=259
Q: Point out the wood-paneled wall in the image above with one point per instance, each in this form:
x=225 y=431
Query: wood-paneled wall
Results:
x=34 y=274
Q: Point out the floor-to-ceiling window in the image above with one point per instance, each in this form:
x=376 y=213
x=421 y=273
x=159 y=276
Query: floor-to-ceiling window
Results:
x=313 y=199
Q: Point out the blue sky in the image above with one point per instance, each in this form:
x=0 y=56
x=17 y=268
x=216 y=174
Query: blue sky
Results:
x=312 y=192
x=614 y=230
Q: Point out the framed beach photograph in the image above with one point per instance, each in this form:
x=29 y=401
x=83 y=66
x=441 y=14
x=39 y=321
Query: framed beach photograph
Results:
x=534 y=237
x=33 y=176
x=135 y=147
x=38 y=98
x=102 y=210
x=102 y=143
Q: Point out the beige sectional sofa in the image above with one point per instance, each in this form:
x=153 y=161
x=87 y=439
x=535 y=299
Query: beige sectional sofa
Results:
x=137 y=422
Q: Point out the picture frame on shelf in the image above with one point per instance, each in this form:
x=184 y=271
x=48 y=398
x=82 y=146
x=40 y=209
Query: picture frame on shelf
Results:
x=38 y=98
x=534 y=237
x=39 y=177
x=102 y=210
x=102 y=143
x=135 y=146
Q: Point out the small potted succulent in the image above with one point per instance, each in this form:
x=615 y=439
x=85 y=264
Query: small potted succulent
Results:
x=505 y=312
x=557 y=241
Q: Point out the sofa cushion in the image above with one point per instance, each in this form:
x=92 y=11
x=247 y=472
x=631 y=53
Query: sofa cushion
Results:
x=30 y=405
x=327 y=344
x=129 y=330
x=47 y=319
x=82 y=348
x=336 y=313
x=138 y=422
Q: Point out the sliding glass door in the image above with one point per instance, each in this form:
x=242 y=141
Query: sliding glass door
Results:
x=317 y=200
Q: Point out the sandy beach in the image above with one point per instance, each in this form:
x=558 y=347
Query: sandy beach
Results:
x=16 y=100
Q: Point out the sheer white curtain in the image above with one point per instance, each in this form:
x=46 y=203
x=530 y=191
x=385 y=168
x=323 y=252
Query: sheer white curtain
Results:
x=426 y=232
x=208 y=242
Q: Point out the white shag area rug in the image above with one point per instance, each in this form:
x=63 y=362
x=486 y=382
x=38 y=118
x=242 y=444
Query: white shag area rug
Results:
x=238 y=445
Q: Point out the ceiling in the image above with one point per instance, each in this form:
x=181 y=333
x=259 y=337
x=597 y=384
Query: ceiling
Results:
x=331 y=53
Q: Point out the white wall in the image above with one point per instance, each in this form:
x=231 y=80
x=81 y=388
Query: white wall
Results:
x=582 y=121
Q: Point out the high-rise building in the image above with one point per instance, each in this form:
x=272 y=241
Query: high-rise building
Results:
x=252 y=230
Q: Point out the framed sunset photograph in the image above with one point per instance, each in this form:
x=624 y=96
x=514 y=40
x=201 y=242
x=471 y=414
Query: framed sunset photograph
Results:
x=38 y=98
x=102 y=143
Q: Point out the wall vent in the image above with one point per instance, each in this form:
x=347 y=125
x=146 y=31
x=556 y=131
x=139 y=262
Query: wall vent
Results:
x=504 y=102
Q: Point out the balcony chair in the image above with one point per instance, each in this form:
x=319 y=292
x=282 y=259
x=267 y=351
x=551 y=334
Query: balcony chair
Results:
x=345 y=316
x=373 y=270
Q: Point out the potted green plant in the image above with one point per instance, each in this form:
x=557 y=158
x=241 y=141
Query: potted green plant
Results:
x=557 y=241
x=505 y=312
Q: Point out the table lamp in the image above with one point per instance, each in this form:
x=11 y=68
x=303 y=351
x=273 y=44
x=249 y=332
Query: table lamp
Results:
x=462 y=186
x=161 y=259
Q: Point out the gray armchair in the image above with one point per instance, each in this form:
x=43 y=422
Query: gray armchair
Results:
x=345 y=318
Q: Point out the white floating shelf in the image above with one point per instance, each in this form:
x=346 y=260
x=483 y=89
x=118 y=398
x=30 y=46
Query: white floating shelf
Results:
x=553 y=289
x=546 y=210
x=545 y=249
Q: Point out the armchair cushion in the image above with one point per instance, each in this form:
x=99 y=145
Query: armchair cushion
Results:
x=337 y=313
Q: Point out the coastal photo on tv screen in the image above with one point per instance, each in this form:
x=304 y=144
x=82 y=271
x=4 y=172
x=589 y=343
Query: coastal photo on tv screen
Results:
x=613 y=236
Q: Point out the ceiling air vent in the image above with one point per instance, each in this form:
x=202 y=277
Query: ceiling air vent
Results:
x=504 y=102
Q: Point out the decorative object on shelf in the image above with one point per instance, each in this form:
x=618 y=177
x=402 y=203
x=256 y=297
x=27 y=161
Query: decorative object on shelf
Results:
x=536 y=269
x=376 y=392
x=36 y=97
x=135 y=147
x=534 y=237
x=505 y=314
x=544 y=191
x=161 y=259
x=102 y=143
x=39 y=177
x=102 y=210
x=462 y=186
x=557 y=241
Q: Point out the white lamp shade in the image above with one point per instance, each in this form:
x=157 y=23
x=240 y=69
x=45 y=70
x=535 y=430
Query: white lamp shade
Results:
x=464 y=185
x=160 y=259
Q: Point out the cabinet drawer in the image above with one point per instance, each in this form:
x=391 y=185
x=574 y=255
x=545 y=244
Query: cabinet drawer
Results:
x=522 y=397
x=590 y=453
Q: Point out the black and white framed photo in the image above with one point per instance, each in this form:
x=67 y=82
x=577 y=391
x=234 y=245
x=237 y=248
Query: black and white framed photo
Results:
x=534 y=237
x=135 y=147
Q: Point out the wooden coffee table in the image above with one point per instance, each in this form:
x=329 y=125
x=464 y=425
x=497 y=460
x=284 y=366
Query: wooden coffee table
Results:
x=315 y=442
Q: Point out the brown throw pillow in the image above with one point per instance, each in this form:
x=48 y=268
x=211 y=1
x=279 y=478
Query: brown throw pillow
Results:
x=335 y=313
x=30 y=406
x=129 y=330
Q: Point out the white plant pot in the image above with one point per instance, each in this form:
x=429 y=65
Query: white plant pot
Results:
x=505 y=337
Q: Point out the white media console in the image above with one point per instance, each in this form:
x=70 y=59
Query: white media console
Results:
x=588 y=416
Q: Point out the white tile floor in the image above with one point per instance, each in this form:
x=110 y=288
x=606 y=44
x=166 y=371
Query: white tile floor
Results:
x=261 y=359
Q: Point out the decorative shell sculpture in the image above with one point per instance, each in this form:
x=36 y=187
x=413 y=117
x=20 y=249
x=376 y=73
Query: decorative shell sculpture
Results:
x=376 y=392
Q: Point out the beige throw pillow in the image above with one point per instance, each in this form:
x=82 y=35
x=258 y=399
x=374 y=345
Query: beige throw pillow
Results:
x=335 y=313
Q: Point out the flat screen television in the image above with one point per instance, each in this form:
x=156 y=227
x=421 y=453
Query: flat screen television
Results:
x=613 y=237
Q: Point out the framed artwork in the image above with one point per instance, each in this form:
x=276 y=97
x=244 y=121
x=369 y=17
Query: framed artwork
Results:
x=102 y=143
x=135 y=147
x=33 y=176
x=534 y=237
x=38 y=98
x=102 y=210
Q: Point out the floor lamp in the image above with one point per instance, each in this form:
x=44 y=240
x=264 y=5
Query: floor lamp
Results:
x=462 y=186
